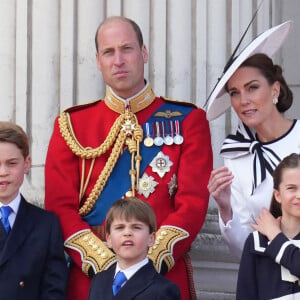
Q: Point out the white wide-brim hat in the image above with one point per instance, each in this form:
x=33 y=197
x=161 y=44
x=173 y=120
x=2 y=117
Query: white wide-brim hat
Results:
x=268 y=43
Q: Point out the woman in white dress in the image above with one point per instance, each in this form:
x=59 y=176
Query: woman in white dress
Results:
x=259 y=95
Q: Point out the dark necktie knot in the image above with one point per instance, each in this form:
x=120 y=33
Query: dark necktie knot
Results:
x=5 y=212
x=118 y=282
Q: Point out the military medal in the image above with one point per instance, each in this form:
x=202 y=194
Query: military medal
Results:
x=173 y=186
x=158 y=140
x=161 y=164
x=178 y=138
x=148 y=141
x=147 y=185
x=128 y=127
x=168 y=139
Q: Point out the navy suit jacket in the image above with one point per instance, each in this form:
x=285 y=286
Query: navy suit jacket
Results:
x=145 y=284
x=32 y=260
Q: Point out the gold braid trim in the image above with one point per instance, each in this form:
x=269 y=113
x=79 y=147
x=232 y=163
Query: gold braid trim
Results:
x=68 y=134
x=134 y=149
x=162 y=250
x=125 y=131
x=83 y=186
x=94 y=253
x=102 y=179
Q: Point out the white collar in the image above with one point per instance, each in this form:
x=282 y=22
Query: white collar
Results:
x=14 y=204
x=129 y=272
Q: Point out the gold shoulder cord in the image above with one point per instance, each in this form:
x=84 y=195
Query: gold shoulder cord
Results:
x=125 y=131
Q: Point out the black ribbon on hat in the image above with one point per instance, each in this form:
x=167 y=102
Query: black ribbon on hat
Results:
x=245 y=142
x=233 y=56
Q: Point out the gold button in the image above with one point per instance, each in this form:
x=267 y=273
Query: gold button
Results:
x=129 y=194
x=21 y=283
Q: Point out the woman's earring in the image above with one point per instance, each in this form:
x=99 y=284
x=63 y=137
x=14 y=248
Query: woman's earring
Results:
x=275 y=101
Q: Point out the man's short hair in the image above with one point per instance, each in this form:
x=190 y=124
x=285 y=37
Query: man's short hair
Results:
x=134 y=25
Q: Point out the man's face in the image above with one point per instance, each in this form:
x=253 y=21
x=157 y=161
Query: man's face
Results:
x=120 y=58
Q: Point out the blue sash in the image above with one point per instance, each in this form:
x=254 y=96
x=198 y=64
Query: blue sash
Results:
x=119 y=181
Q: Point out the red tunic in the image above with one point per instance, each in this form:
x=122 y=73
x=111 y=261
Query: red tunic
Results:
x=192 y=164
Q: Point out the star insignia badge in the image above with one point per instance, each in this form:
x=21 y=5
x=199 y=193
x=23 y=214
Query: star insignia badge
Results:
x=161 y=164
x=147 y=185
x=128 y=127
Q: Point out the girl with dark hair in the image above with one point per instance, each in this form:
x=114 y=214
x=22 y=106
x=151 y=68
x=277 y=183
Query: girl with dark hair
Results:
x=269 y=267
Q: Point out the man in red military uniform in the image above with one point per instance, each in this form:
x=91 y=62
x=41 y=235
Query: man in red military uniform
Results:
x=130 y=144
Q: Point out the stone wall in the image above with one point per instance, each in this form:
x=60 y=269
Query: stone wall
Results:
x=215 y=269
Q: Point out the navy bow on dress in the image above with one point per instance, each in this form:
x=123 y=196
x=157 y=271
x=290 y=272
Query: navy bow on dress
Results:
x=245 y=142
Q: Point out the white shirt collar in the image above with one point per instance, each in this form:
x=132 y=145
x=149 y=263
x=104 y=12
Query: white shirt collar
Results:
x=129 y=272
x=14 y=204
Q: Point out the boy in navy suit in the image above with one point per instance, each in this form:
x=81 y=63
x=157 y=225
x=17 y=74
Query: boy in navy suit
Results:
x=32 y=260
x=130 y=232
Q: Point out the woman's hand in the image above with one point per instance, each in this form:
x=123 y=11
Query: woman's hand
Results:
x=219 y=187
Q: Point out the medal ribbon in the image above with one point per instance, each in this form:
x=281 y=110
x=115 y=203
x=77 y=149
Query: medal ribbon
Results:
x=177 y=127
x=163 y=126
x=147 y=130
x=171 y=128
x=157 y=132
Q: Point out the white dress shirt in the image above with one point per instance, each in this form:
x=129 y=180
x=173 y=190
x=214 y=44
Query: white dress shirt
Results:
x=129 y=272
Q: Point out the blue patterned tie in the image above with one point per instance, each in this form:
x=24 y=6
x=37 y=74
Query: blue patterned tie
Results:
x=5 y=212
x=118 y=281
